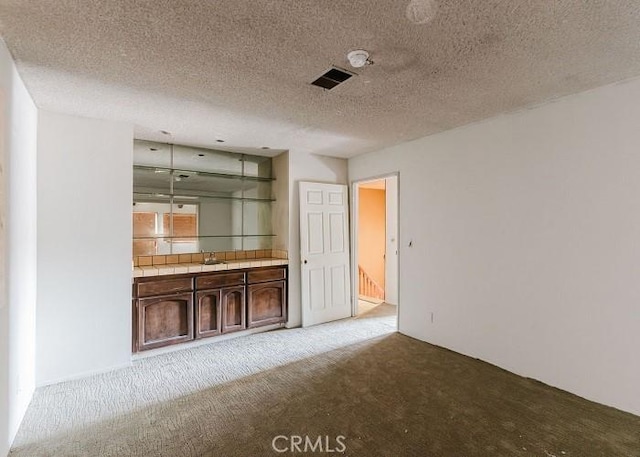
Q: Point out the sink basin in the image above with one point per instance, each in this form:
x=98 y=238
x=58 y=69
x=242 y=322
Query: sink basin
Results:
x=212 y=261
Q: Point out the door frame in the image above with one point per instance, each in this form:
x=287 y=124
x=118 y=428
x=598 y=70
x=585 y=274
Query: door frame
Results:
x=355 y=197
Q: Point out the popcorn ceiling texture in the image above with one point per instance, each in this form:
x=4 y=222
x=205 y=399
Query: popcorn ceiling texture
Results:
x=240 y=70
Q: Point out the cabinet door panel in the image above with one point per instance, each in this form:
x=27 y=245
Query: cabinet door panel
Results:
x=165 y=320
x=134 y=325
x=233 y=309
x=208 y=313
x=267 y=303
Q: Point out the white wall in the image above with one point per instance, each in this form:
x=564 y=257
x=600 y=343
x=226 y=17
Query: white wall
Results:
x=305 y=167
x=526 y=241
x=280 y=208
x=18 y=129
x=391 y=242
x=84 y=246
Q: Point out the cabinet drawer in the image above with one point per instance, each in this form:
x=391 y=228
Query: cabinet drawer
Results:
x=164 y=286
x=271 y=274
x=219 y=280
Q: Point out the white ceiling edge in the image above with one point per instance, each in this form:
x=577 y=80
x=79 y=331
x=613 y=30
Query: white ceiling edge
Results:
x=75 y=95
x=521 y=109
x=190 y=123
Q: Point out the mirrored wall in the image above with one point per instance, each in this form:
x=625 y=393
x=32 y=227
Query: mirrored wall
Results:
x=188 y=200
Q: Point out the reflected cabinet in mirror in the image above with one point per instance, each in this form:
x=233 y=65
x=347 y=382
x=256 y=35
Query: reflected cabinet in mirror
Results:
x=188 y=200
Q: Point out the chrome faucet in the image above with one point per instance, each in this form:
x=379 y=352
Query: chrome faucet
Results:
x=210 y=260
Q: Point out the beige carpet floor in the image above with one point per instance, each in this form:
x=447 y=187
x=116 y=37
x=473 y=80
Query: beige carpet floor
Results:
x=387 y=394
x=364 y=306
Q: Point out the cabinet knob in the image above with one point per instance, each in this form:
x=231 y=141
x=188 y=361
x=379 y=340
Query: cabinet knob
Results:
x=305 y=261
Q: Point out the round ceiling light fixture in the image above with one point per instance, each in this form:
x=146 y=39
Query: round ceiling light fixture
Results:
x=359 y=58
x=421 y=11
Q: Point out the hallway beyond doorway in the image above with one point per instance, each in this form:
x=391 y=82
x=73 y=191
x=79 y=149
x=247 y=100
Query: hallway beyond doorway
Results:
x=375 y=244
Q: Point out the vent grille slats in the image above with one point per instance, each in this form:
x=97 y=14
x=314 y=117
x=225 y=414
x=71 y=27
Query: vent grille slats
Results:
x=331 y=78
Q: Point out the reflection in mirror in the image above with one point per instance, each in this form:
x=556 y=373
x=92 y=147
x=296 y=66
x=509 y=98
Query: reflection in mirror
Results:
x=257 y=166
x=207 y=160
x=151 y=154
x=189 y=200
x=200 y=184
x=257 y=221
x=216 y=218
x=153 y=226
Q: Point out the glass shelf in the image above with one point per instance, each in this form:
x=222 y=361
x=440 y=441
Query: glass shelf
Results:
x=176 y=171
x=162 y=237
x=158 y=197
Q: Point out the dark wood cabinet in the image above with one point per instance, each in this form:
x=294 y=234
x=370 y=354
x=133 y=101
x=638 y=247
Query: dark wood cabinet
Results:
x=178 y=308
x=208 y=313
x=233 y=309
x=150 y=287
x=219 y=280
x=266 y=296
x=222 y=307
x=266 y=303
x=267 y=274
x=165 y=320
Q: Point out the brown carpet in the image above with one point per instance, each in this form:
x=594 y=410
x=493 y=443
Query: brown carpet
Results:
x=388 y=396
x=401 y=397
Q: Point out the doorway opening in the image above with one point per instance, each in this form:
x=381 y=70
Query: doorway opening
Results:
x=375 y=231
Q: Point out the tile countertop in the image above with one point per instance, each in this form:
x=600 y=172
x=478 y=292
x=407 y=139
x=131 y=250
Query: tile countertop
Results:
x=179 y=268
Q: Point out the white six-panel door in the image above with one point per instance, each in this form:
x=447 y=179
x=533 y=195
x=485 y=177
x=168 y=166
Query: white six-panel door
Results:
x=324 y=252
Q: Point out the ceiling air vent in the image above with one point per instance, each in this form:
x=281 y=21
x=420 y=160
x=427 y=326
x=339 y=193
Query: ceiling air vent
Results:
x=331 y=78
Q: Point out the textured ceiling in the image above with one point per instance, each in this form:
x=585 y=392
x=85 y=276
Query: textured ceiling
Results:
x=239 y=70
